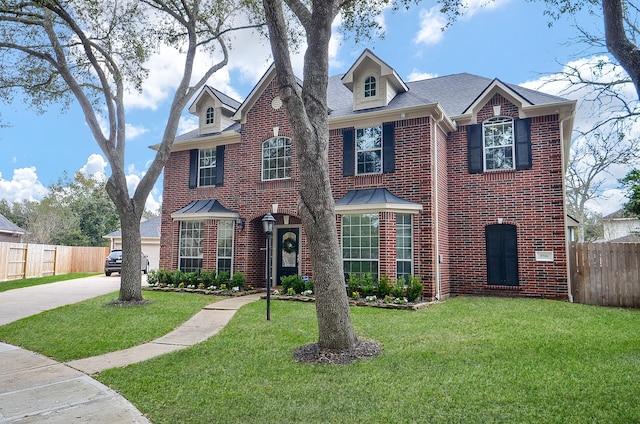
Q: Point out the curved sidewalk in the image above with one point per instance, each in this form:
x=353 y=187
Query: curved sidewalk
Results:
x=35 y=389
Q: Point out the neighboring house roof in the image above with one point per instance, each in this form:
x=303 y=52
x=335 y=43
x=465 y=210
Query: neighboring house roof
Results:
x=148 y=229
x=572 y=222
x=204 y=209
x=7 y=226
x=619 y=214
x=629 y=238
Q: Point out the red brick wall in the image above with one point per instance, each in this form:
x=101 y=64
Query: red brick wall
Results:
x=532 y=200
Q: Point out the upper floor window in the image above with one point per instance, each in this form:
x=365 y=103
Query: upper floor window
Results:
x=369 y=150
x=276 y=158
x=498 y=139
x=207 y=167
x=210 y=116
x=370 y=86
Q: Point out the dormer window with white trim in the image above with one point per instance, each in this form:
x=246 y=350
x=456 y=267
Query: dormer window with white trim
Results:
x=210 y=116
x=370 y=86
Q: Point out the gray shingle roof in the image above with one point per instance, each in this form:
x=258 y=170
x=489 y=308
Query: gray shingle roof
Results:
x=148 y=229
x=7 y=226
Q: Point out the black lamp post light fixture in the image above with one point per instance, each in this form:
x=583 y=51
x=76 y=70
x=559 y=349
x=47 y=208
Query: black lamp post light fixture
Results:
x=267 y=224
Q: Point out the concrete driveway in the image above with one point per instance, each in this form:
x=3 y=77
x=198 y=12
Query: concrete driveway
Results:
x=21 y=303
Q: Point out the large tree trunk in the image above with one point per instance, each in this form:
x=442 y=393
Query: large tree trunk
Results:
x=618 y=44
x=308 y=115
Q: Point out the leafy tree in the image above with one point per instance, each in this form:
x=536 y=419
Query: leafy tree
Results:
x=93 y=52
x=591 y=160
x=308 y=114
x=631 y=183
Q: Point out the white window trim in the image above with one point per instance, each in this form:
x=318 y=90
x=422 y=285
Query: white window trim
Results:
x=412 y=261
x=215 y=152
x=381 y=148
x=181 y=238
x=233 y=240
x=360 y=259
x=498 y=121
x=206 y=116
x=375 y=87
x=262 y=161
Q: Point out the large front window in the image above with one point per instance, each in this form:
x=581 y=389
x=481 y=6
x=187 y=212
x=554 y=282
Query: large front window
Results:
x=498 y=143
x=224 y=258
x=360 y=244
x=369 y=150
x=190 y=251
x=404 y=246
x=207 y=167
x=276 y=158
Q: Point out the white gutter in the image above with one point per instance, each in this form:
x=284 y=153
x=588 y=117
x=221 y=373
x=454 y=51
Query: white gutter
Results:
x=564 y=203
x=436 y=203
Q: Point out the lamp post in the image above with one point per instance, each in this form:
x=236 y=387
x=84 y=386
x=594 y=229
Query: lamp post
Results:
x=267 y=224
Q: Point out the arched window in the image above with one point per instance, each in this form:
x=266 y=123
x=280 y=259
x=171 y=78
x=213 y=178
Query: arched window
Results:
x=276 y=158
x=370 y=86
x=209 y=118
x=497 y=134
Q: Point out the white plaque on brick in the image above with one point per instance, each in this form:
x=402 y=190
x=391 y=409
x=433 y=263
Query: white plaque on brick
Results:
x=544 y=256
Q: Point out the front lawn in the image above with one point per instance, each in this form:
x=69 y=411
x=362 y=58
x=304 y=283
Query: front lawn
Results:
x=93 y=327
x=467 y=360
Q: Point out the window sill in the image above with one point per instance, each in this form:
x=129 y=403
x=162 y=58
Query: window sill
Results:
x=495 y=287
x=499 y=175
x=276 y=184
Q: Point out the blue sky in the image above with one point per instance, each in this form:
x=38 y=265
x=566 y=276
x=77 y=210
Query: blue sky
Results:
x=510 y=40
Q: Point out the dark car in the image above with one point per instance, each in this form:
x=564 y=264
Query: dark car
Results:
x=113 y=262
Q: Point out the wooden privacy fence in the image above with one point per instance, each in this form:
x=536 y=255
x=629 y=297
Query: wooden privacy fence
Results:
x=23 y=260
x=606 y=274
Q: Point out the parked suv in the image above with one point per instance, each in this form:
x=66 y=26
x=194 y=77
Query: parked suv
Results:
x=113 y=262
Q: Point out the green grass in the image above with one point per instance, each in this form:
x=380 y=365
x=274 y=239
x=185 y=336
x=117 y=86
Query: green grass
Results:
x=93 y=327
x=467 y=360
x=28 y=282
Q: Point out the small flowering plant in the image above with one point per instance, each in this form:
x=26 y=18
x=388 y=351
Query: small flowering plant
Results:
x=291 y=292
x=370 y=298
x=307 y=292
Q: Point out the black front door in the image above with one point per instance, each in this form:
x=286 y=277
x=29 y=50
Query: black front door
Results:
x=502 y=255
x=287 y=252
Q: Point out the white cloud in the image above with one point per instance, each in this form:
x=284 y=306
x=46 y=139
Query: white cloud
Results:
x=431 y=24
x=95 y=167
x=23 y=186
x=187 y=123
x=134 y=131
x=432 y=21
x=417 y=75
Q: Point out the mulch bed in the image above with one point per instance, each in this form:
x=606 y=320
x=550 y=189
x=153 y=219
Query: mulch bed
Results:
x=312 y=354
x=412 y=306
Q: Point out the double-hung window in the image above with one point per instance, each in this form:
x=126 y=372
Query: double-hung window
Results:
x=369 y=150
x=360 y=244
x=190 y=249
x=498 y=143
x=370 y=86
x=276 y=158
x=210 y=116
x=207 y=167
x=404 y=246
x=224 y=260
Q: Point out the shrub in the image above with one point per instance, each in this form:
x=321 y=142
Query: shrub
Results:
x=191 y=278
x=294 y=282
x=353 y=284
x=153 y=277
x=398 y=289
x=223 y=278
x=414 y=289
x=308 y=285
x=238 y=280
x=384 y=286
x=208 y=278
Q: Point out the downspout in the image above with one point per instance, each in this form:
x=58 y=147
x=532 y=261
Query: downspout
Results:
x=436 y=204
x=564 y=205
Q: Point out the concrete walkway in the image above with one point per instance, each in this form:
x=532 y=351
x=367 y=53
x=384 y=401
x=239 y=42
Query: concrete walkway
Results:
x=35 y=389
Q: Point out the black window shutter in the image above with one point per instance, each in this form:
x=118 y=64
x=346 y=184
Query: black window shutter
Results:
x=388 y=148
x=348 y=152
x=523 y=143
x=193 y=168
x=474 y=146
x=220 y=165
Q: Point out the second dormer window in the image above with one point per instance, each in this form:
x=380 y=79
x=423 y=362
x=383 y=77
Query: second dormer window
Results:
x=209 y=118
x=370 y=86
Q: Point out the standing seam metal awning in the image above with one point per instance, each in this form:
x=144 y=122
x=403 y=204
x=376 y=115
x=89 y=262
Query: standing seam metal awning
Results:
x=204 y=209
x=375 y=200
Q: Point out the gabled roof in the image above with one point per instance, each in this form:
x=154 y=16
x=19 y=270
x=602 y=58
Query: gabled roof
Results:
x=227 y=101
x=7 y=226
x=385 y=71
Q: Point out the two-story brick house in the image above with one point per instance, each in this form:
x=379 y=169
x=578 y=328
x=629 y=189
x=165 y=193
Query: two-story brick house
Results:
x=457 y=180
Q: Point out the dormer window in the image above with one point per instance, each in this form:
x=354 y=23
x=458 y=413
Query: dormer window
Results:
x=370 y=86
x=210 y=115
